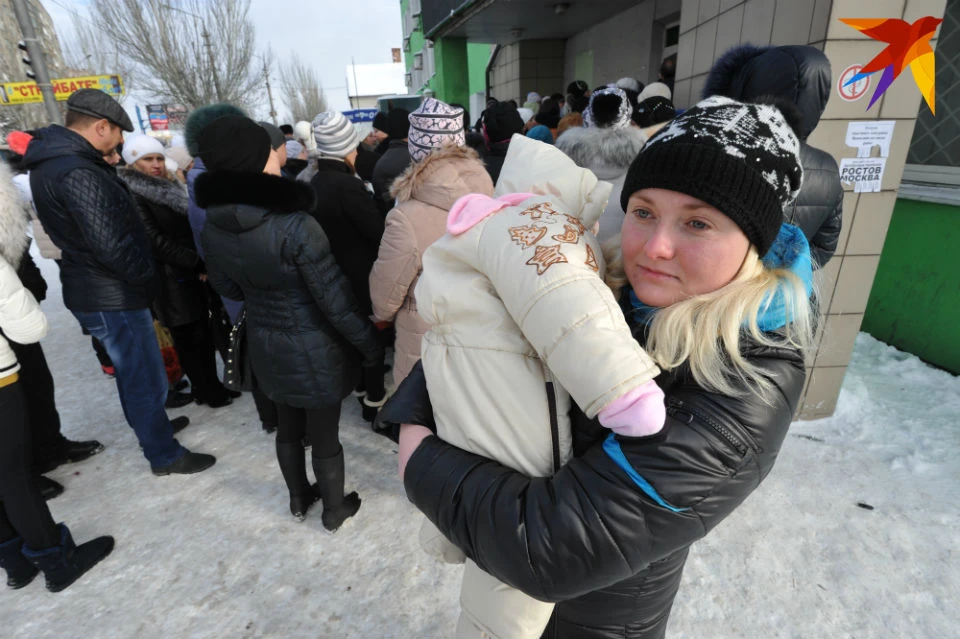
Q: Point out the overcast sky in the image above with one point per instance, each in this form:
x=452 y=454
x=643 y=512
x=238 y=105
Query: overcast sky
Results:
x=324 y=33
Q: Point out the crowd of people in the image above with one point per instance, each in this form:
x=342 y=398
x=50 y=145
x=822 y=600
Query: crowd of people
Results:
x=598 y=307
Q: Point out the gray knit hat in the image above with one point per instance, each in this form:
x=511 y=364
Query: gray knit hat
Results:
x=432 y=125
x=335 y=135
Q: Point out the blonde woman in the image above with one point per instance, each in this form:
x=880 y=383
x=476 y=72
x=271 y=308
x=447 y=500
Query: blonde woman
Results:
x=716 y=289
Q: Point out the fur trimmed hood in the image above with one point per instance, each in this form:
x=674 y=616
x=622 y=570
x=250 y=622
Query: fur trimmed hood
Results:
x=270 y=192
x=157 y=190
x=443 y=177
x=13 y=220
x=798 y=74
x=606 y=152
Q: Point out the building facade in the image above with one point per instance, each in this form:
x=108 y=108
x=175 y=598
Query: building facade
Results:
x=541 y=47
x=450 y=69
x=915 y=300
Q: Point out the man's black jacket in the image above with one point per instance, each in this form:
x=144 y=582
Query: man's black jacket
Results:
x=90 y=215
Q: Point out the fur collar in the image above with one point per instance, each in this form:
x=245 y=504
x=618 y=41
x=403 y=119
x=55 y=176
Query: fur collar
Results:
x=13 y=220
x=606 y=152
x=254 y=189
x=418 y=174
x=156 y=190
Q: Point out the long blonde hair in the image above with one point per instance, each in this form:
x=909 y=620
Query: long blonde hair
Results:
x=705 y=330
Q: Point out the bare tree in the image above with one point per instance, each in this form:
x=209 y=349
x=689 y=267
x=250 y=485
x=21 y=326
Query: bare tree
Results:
x=191 y=52
x=302 y=89
x=88 y=53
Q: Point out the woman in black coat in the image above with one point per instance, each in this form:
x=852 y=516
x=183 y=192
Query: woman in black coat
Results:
x=345 y=209
x=181 y=304
x=607 y=536
x=304 y=328
x=800 y=75
x=352 y=223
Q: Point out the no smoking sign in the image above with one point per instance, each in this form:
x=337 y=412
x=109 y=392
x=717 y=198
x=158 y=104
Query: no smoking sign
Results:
x=857 y=89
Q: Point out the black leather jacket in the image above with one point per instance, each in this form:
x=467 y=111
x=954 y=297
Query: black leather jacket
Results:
x=589 y=537
x=90 y=215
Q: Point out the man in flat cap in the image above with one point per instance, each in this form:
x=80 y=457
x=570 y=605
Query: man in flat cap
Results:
x=107 y=270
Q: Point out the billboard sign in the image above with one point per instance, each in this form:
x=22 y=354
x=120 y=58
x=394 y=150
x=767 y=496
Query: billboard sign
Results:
x=157 y=114
x=63 y=88
x=177 y=115
x=361 y=115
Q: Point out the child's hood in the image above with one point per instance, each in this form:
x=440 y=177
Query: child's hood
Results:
x=542 y=169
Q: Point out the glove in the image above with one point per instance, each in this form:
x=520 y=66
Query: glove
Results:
x=409 y=404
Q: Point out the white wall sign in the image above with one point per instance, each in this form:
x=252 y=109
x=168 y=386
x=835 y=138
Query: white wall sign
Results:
x=865 y=174
x=864 y=135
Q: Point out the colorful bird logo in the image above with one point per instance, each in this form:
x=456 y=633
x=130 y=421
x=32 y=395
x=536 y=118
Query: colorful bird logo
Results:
x=907 y=44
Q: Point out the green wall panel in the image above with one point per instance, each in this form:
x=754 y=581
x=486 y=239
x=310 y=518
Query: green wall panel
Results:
x=915 y=301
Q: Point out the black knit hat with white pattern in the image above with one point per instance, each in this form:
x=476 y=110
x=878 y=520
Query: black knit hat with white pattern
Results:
x=742 y=159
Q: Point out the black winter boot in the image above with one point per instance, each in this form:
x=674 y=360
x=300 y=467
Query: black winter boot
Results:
x=20 y=572
x=337 y=507
x=293 y=466
x=64 y=564
x=48 y=488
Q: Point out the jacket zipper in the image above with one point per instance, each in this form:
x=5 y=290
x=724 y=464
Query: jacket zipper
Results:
x=554 y=425
x=728 y=435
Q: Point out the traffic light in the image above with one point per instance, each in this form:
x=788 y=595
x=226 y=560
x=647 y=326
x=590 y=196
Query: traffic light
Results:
x=26 y=60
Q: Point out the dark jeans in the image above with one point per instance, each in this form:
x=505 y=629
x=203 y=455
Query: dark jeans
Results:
x=131 y=342
x=43 y=420
x=321 y=424
x=101 y=353
x=23 y=510
x=194 y=344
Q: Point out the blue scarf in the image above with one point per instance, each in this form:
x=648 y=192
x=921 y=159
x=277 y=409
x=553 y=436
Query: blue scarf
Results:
x=790 y=250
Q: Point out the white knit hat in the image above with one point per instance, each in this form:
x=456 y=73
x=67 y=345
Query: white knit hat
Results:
x=655 y=89
x=627 y=84
x=434 y=124
x=138 y=145
x=335 y=135
x=180 y=155
x=303 y=133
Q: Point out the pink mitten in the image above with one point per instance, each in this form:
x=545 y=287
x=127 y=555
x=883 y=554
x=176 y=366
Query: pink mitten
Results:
x=637 y=413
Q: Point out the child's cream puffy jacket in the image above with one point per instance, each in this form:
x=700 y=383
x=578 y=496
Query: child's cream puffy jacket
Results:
x=514 y=296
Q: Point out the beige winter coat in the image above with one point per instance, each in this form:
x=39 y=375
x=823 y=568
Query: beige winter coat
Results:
x=424 y=192
x=520 y=316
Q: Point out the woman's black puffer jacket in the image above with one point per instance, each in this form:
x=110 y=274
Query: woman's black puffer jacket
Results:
x=800 y=75
x=303 y=324
x=590 y=537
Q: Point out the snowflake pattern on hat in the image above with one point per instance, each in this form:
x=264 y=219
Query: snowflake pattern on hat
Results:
x=623 y=116
x=755 y=133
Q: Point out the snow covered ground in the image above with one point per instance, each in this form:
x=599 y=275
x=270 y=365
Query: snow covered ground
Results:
x=218 y=555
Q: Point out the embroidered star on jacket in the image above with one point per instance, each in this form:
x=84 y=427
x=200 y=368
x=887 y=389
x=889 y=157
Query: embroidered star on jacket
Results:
x=545 y=257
